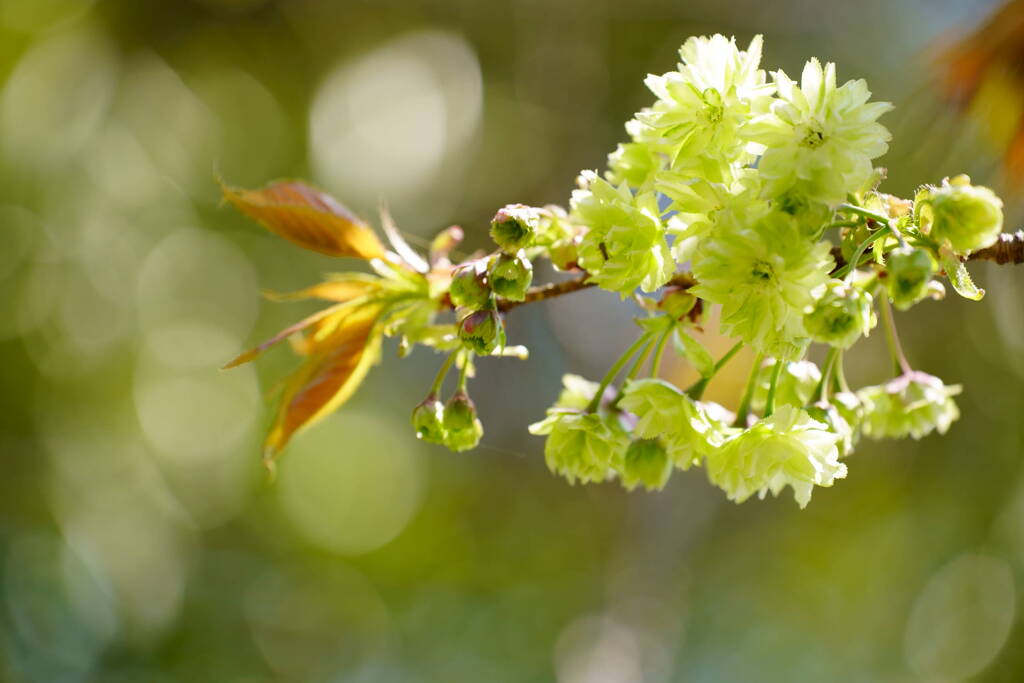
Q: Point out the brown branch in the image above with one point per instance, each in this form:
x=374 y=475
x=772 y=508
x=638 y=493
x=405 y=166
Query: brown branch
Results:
x=1009 y=249
x=549 y=291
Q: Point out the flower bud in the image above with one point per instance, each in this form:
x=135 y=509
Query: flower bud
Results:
x=461 y=423
x=565 y=253
x=510 y=276
x=427 y=420
x=646 y=464
x=482 y=331
x=470 y=288
x=908 y=271
x=969 y=217
x=677 y=302
x=514 y=226
x=840 y=316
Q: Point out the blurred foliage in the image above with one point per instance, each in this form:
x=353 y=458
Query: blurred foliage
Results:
x=139 y=539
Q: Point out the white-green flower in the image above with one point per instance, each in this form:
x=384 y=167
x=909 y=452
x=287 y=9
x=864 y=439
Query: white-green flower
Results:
x=914 y=404
x=646 y=463
x=763 y=275
x=581 y=446
x=819 y=138
x=841 y=315
x=624 y=247
x=786 y=449
x=666 y=413
x=703 y=106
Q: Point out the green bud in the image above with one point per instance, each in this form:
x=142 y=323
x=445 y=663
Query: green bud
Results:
x=969 y=217
x=427 y=420
x=646 y=464
x=840 y=316
x=461 y=423
x=510 y=276
x=907 y=273
x=514 y=227
x=677 y=302
x=482 y=331
x=470 y=288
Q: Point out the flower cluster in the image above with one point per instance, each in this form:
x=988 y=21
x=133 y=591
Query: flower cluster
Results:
x=763 y=188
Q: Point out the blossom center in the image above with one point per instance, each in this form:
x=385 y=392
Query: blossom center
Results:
x=813 y=137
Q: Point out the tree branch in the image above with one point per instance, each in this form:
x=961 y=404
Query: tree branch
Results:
x=1009 y=249
x=549 y=291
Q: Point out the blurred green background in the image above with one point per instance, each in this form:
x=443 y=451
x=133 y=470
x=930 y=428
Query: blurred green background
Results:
x=139 y=538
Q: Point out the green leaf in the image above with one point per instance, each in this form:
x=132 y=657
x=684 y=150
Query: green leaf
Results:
x=958 y=276
x=695 y=353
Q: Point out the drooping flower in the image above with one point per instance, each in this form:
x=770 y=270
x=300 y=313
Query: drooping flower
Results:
x=914 y=404
x=461 y=424
x=428 y=420
x=819 y=138
x=664 y=412
x=763 y=276
x=581 y=446
x=703 y=106
x=969 y=217
x=908 y=272
x=646 y=463
x=624 y=247
x=841 y=315
x=786 y=449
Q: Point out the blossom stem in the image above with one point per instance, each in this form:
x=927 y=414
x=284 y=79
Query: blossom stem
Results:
x=464 y=372
x=656 y=361
x=899 y=359
x=841 y=374
x=748 y=393
x=442 y=373
x=615 y=370
x=821 y=394
x=696 y=390
x=769 y=404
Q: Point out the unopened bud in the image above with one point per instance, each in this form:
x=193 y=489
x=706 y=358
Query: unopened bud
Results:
x=461 y=423
x=427 y=420
x=969 y=217
x=514 y=226
x=510 y=276
x=470 y=288
x=444 y=242
x=482 y=331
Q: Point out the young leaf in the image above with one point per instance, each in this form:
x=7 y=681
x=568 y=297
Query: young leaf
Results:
x=958 y=276
x=330 y=376
x=695 y=353
x=341 y=290
x=307 y=217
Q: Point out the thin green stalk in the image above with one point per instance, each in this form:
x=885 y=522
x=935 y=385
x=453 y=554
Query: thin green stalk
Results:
x=615 y=370
x=633 y=371
x=696 y=391
x=850 y=268
x=442 y=373
x=821 y=393
x=656 y=362
x=748 y=393
x=841 y=375
x=899 y=359
x=464 y=372
x=769 y=404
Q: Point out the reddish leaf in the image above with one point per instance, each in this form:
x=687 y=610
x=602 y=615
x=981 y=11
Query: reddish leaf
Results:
x=334 y=370
x=308 y=218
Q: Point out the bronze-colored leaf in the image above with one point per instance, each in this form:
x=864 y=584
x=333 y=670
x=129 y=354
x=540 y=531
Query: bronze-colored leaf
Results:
x=328 y=378
x=307 y=217
x=331 y=290
x=303 y=324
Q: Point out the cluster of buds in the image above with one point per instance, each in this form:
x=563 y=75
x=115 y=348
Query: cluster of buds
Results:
x=453 y=424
